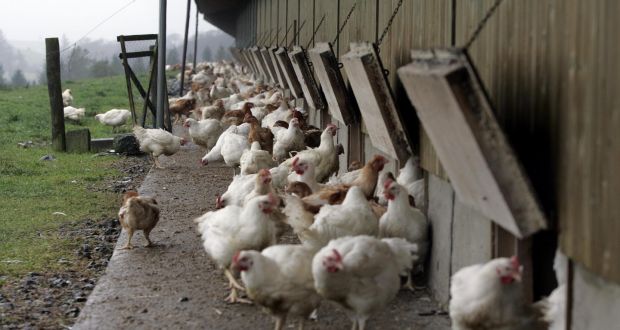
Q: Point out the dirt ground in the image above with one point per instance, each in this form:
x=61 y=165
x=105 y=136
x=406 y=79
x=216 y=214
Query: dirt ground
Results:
x=54 y=299
x=174 y=285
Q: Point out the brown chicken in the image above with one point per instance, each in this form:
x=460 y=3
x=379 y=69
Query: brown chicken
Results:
x=235 y=117
x=366 y=179
x=262 y=135
x=182 y=107
x=138 y=213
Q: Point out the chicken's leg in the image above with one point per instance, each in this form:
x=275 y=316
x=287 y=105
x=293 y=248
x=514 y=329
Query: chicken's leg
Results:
x=156 y=161
x=233 y=298
x=409 y=284
x=128 y=246
x=361 y=323
x=233 y=281
x=354 y=327
x=147 y=232
x=302 y=322
x=280 y=321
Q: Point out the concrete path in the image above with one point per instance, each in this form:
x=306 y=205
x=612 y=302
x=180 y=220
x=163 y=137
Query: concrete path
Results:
x=174 y=285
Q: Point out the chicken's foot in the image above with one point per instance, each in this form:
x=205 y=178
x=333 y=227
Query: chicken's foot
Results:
x=232 y=281
x=234 y=298
x=147 y=232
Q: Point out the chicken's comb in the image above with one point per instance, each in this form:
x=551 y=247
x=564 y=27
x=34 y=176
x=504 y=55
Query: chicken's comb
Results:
x=295 y=161
x=387 y=183
x=514 y=262
x=273 y=199
x=331 y=126
x=337 y=255
x=235 y=258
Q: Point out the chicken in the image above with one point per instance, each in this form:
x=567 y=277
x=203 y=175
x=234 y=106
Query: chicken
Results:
x=214 y=111
x=74 y=113
x=366 y=179
x=353 y=217
x=254 y=159
x=410 y=178
x=138 y=213
x=553 y=308
x=229 y=146
x=404 y=221
x=205 y=132
x=114 y=118
x=236 y=117
x=304 y=171
x=325 y=156
x=234 y=228
x=299 y=189
x=281 y=113
x=361 y=273
x=67 y=97
x=280 y=279
x=259 y=134
x=291 y=139
x=219 y=91
x=262 y=186
x=490 y=296
x=242 y=185
x=158 y=142
x=182 y=106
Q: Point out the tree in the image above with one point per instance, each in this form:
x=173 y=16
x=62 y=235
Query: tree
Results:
x=173 y=56
x=206 y=54
x=100 y=68
x=43 y=75
x=18 y=79
x=2 y=80
x=77 y=65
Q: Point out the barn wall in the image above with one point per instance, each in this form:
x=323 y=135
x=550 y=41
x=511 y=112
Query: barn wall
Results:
x=551 y=71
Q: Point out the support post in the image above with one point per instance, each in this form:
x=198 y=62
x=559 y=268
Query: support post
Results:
x=196 y=41
x=184 y=60
x=52 y=58
x=161 y=64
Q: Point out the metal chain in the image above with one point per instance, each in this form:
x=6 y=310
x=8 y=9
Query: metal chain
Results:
x=345 y=22
x=315 y=31
x=389 y=24
x=482 y=23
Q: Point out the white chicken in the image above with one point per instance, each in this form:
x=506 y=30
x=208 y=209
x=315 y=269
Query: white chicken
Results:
x=553 y=308
x=410 y=178
x=204 y=132
x=280 y=279
x=304 y=172
x=281 y=113
x=219 y=91
x=67 y=97
x=114 y=118
x=353 y=217
x=287 y=140
x=242 y=185
x=254 y=159
x=490 y=296
x=234 y=228
x=229 y=146
x=325 y=156
x=74 y=113
x=361 y=273
x=158 y=142
x=404 y=221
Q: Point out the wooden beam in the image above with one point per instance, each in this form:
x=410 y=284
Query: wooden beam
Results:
x=340 y=103
x=137 y=37
x=376 y=103
x=54 y=89
x=455 y=112
x=278 y=68
x=289 y=72
x=312 y=94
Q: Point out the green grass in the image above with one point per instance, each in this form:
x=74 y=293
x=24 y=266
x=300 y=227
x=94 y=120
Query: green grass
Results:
x=32 y=190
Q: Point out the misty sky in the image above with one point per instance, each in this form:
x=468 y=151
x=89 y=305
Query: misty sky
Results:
x=33 y=20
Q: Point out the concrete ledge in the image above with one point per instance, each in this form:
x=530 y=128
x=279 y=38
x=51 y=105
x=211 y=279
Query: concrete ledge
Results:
x=103 y=144
x=78 y=140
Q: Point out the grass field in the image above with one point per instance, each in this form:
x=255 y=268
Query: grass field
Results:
x=31 y=191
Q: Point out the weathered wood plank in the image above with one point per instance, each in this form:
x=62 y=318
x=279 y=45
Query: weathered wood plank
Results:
x=302 y=70
x=54 y=90
x=289 y=72
x=340 y=103
x=374 y=97
x=456 y=114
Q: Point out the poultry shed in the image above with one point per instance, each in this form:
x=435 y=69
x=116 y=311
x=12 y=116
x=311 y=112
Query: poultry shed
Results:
x=547 y=88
